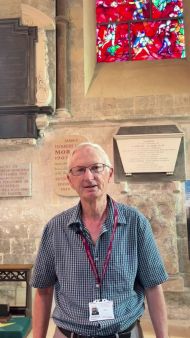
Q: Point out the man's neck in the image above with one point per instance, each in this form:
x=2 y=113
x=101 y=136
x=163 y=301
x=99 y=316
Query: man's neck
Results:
x=93 y=216
x=94 y=210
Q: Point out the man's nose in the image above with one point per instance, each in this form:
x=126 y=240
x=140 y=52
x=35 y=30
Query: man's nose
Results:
x=88 y=173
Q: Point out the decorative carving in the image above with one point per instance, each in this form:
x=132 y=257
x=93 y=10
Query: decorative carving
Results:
x=34 y=17
x=43 y=95
x=42 y=123
x=10 y=276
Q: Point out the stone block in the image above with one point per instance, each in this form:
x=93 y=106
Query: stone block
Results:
x=187 y=280
x=22 y=246
x=14 y=259
x=145 y=102
x=179 y=313
x=164 y=101
x=182 y=230
x=182 y=100
x=13 y=229
x=10 y=9
x=174 y=284
x=46 y=6
x=4 y=246
x=183 y=255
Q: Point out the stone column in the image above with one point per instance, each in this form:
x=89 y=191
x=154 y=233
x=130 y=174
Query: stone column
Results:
x=61 y=58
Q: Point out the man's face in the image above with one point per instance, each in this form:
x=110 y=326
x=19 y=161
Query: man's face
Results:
x=89 y=185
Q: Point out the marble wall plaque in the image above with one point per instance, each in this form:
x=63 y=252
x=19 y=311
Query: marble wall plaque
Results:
x=61 y=151
x=15 y=180
x=149 y=153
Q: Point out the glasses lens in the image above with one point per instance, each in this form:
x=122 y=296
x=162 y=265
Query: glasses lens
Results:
x=94 y=168
x=78 y=171
x=97 y=168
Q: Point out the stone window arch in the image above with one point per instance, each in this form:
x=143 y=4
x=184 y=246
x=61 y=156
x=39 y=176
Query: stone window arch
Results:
x=128 y=79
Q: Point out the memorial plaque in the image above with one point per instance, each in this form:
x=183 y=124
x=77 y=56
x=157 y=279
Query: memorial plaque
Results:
x=15 y=180
x=62 y=149
x=149 y=153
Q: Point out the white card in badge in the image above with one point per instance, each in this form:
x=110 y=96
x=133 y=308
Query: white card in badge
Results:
x=101 y=310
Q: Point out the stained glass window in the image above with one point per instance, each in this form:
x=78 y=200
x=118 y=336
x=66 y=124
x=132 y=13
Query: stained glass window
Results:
x=129 y=30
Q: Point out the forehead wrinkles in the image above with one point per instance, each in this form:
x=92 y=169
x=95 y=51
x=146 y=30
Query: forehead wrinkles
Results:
x=86 y=156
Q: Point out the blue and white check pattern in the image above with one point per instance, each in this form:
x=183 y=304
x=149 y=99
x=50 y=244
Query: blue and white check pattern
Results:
x=135 y=264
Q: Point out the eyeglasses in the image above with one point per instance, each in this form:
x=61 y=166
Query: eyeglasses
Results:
x=95 y=168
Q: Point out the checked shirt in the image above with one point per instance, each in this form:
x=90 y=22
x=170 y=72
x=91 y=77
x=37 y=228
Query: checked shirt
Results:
x=135 y=264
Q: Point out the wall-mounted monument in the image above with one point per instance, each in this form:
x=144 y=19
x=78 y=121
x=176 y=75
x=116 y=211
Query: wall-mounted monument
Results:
x=145 y=153
x=18 y=111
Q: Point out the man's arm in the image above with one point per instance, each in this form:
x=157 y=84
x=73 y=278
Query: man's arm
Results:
x=157 y=310
x=41 y=311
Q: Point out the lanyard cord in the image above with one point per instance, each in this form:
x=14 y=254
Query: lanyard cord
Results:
x=108 y=254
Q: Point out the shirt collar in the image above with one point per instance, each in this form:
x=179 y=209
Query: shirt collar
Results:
x=75 y=221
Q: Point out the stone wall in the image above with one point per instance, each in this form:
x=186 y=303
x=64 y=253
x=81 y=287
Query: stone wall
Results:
x=97 y=110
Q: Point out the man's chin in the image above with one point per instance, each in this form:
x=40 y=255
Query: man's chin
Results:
x=91 y=193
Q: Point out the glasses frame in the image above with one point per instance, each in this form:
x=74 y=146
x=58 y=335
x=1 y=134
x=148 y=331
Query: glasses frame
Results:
x=90 y=168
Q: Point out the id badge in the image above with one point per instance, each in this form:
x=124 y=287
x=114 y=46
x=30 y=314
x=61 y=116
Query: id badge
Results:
x=101 y=310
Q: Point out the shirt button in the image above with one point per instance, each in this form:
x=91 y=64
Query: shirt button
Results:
x=96 y=259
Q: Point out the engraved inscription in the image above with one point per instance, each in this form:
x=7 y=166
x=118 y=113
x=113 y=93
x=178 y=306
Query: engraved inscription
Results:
x=149 y=154
x=15 y=180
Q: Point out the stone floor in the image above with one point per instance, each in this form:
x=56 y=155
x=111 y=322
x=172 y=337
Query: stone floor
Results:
x=177 y=329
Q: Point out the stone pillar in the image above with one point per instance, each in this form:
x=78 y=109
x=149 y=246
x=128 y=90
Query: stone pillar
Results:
x=61 y=58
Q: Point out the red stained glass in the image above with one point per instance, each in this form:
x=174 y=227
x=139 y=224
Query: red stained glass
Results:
x=158 y=40
x=112 y=43
x=122 y=10
x=167 y=9
x=106 y=11
x=139 y=30
x=135 y=10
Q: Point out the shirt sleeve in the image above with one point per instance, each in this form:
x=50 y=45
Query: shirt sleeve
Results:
x=44 y=274
x=151 y=270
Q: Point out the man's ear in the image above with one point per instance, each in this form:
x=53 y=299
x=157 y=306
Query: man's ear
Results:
x=68 y=178
x=110 y=174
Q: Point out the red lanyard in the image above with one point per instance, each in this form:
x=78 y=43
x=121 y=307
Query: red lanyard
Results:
x=108 y=255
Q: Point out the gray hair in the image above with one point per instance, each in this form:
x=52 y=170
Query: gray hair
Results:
x=105 y=156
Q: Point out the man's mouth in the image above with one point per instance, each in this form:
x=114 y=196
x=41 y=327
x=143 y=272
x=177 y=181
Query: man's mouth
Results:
x=90 y=186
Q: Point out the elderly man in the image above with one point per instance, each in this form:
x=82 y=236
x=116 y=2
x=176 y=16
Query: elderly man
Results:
x=100 y=260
